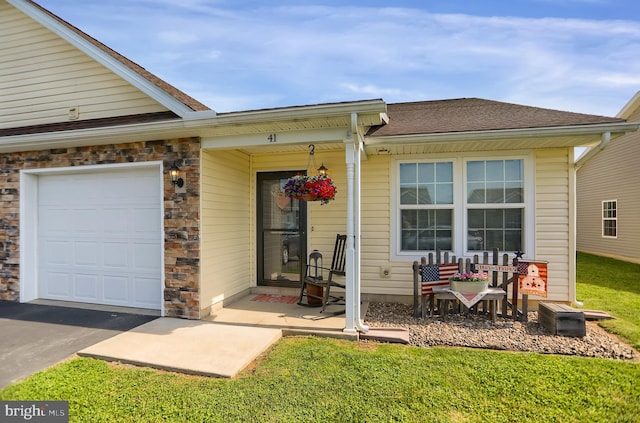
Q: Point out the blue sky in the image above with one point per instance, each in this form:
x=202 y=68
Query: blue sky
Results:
x=576 y=55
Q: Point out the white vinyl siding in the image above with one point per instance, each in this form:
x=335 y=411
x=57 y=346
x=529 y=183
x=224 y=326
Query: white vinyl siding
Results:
x=613 y=173
x=225 y=222
x=553 y=220
x=546 y=174
x=42 y=76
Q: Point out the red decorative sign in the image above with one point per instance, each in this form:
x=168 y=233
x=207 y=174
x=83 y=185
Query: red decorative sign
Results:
x=533 y=277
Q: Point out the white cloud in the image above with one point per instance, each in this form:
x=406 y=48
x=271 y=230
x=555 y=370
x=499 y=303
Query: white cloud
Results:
x=268 y=55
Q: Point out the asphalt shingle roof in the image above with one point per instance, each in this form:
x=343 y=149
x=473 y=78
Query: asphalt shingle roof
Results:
x=475 y=114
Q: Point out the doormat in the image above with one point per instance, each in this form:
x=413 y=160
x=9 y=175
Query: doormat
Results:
x=275 y=298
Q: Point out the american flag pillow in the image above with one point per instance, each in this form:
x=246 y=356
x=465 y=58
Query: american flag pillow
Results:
x=436 y=275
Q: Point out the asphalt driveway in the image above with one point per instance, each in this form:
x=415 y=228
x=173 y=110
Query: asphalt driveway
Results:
x=34 y=337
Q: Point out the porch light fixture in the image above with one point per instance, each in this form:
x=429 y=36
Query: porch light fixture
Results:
x=174 y=172
x=322 y=170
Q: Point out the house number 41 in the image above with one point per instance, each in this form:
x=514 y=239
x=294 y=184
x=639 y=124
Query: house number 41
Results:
x=271 y=138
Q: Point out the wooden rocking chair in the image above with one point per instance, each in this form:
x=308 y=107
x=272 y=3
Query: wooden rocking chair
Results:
x=315 y=287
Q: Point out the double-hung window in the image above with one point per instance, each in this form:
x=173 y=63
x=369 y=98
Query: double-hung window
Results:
x=426 y=206
x=461 y=204
x=610 y=219
x=495 y=204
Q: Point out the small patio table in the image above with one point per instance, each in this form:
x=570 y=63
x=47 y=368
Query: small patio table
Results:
x=491 y=294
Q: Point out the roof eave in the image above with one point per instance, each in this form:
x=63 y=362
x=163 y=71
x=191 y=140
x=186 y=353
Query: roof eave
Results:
x=197 y=126
x=96 y=136
x=632 y=105
x=497 y=135
x=371 y=107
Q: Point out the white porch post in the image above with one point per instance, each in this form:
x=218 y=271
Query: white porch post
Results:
x=358 y=147
x=352 y=159
x=350 y=316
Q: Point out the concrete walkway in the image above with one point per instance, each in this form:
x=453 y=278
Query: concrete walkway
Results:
x=228 y=340
x=187 y=346
x=223 y=344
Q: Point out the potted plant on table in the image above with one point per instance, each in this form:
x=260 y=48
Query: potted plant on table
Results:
x=469 y=282
x=310 y=188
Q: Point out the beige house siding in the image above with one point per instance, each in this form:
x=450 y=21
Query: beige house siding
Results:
x=42 y=76
x=553 y=219
x=225 y=218
x=552 y=226
x=376 y=231
x=613 y=174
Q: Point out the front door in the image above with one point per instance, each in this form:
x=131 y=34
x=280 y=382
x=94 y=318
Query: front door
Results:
x=281 y=232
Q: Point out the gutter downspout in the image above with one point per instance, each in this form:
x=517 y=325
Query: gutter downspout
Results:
x=604 y=142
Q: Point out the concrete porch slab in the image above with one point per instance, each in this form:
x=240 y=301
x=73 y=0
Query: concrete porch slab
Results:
x=187 y=346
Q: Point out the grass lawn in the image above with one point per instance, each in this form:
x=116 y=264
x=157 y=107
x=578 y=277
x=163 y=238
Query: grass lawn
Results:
x=614 y=286
x=315 y=379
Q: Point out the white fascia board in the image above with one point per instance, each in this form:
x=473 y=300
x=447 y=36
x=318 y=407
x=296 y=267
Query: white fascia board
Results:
x=630 y=107
x=367 y=107
x=453 y=137
x=103 y=58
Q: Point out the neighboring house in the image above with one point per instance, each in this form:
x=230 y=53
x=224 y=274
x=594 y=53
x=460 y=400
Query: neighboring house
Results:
x=88 y=212
x=608 y=194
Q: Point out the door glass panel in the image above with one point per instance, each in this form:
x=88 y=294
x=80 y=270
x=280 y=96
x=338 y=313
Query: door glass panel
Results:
x=281 y=238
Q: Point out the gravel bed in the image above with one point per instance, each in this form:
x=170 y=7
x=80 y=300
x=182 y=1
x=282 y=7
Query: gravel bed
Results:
x=477 y=331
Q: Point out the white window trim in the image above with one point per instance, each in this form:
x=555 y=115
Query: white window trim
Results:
x=459 y=233
x=604 y=219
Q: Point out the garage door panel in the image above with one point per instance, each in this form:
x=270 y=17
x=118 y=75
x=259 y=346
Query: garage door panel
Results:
x=145 y=223
x=59 y=286
x=82 y=221
x=115 y=221
x=145 y=257
x=145 y=291
x=86 y=288
x=56 y=221
x=116 y=290
x=57 y=253
x=116 y=255
x=100 y=237
x=87 y=253
x=146 y=188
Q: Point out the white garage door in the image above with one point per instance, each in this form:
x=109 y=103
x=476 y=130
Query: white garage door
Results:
x=99 y=237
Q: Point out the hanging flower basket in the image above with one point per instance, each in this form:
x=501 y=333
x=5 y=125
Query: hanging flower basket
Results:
x=310 y=188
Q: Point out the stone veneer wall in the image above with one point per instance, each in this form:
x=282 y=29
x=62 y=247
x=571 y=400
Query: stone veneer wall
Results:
x=181 y=212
